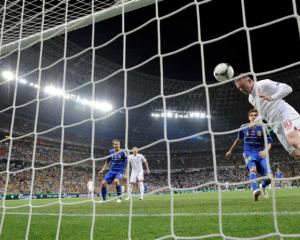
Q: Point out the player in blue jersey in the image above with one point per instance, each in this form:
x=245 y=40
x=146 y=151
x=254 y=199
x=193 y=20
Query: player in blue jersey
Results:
x=255 y=152
x=278 y=175
x=118 y=162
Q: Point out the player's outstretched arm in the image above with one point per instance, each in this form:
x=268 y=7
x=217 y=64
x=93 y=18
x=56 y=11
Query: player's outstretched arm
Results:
x=264 y=153
x=125 y=163
x=233 y=146
x=147 y=166
x=279 y=90
x=103 y=168
x=125 y=175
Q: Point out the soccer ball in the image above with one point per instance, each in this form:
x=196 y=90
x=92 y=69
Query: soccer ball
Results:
x=223 y=71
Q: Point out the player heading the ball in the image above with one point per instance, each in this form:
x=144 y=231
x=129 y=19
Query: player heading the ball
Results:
x=267 y=96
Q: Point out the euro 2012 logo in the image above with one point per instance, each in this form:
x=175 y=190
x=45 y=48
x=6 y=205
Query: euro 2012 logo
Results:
x=259 y=133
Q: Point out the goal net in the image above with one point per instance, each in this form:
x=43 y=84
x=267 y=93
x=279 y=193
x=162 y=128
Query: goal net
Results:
x=74 y=75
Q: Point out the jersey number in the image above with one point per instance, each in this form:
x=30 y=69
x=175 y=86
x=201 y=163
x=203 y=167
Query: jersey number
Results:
x=288 y=124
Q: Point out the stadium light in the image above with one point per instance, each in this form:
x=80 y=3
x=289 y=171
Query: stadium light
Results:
x=8 y=75
x=169 y=115
x=23 y=81
x=180 y=114
x=100 y=105
x=202 y=115
x=197 y=114
x=84 y=101
x=103 y=106
x=50 y=90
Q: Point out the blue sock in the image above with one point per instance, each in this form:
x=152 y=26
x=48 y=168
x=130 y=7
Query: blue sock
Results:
x=119 y=190
x=252 y=176
x=103 y=193
x=266 y=182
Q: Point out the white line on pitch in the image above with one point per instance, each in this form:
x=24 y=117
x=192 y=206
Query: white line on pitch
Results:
x=156 y=214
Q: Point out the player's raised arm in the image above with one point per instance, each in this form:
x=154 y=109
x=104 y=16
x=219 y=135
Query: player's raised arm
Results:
x=147 y=166
x=278 y=90
x=103 y=168
x=233 y=146
x=107 y=161
x=125 y=161
x=264 y=153
x=126 y=166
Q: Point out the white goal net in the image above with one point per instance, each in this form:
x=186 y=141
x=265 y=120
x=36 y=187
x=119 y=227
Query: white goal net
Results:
x=77 y=74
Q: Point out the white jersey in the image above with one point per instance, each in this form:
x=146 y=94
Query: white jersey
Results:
x=137 y=162
x=276 y=110
x=281 y=116
x=90 y=185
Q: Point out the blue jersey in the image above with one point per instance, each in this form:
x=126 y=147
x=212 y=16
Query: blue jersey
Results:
x=278 y=174
x=253 y=139
x=118 y=160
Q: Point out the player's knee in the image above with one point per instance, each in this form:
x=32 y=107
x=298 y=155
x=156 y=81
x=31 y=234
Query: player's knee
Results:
x=116 y=182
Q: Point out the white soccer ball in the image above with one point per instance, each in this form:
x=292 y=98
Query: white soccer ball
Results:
x=223 y=71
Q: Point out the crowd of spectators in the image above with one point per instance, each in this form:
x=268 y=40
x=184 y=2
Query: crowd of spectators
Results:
x=191 y=165
x=75 y=178
x=47 y=180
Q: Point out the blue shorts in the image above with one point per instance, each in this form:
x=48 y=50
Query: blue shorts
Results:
x=260 y=163
x=111 y=175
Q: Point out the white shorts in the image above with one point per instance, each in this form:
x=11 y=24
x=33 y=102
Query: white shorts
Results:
x=290 y=124
x=136 y=176
x=90 y=189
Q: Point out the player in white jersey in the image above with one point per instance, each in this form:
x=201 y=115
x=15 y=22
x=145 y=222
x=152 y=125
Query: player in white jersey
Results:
x=267 y=96
x=227 y=186
x=90 y=187
x=136 y=161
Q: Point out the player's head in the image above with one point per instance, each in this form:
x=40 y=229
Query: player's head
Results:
x=135 y=150
x=252 y=115
x=116 y=144
x=244 y=83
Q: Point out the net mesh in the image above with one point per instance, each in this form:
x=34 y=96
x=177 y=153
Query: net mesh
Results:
x=22 y=19
x=53 y=15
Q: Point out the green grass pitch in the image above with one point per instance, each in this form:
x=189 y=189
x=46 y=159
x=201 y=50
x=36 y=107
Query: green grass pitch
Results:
x=195 y=214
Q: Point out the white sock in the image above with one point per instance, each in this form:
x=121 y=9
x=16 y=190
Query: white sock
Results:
x=141 y=185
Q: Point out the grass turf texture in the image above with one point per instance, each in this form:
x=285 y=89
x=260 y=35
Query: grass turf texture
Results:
x=196 y=214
